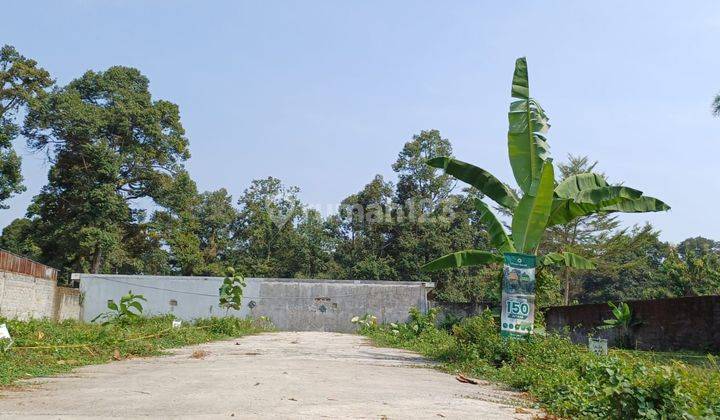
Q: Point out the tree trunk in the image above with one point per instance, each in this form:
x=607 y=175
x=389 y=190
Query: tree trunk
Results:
x=566 y=279
x=97 y=262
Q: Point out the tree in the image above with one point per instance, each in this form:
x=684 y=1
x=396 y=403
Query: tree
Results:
x=22 y=83
x=693 y=267
x=583 y=235
x=430 y=219
x=716 y=105
x=416 y=180
x=544 y=203
x=629 y=265
x=216 y=216
x=317 y=244
x=17 y=238
x=267 y=241
x=362 y=225
x=109 y=144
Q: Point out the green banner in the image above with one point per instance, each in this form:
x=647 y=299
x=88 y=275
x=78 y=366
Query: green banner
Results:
x=518 y=295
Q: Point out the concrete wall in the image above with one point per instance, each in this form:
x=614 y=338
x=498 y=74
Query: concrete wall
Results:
x=664 y=324
x=460 y=310
x=67 y=303
x=291 y=304
x=24 y=297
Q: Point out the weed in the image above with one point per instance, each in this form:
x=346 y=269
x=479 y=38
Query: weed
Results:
x=564 y=378
x=45 y=347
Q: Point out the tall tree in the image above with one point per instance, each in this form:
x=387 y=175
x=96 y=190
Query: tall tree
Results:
x=417 y=180
x=584 y=235
x=110 y=143
x=22 y=83
x=317 y=244
x=362 y=224
x=266 y=238
x=693 y=267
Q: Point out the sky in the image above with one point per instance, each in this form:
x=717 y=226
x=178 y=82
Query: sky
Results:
x=323 y=94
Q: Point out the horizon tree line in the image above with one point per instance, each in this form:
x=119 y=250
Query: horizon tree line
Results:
x=111 y=147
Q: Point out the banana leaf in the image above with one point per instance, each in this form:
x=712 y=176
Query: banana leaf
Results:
x=527 y=146
x=478 y=178
x=458 y=259
x=565 y=210
x=498 y=238
x=641 y=205
x=568 y=259
x=607 y=196
x=573 y=184
x=532 y=213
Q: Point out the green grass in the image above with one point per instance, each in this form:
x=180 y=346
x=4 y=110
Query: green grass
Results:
x=563 y=378
x=44 y=348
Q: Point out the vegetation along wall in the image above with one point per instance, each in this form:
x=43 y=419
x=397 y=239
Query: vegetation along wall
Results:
x=660 y=324
x=291 y=304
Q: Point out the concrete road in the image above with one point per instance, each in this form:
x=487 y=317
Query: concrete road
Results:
x=275 y=375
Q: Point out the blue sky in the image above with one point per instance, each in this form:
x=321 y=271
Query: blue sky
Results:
x=323 y=94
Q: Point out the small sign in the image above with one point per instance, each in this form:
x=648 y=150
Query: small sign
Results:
x=517 y=317
x=598 y=346
x=176 y=323
x=5 y=340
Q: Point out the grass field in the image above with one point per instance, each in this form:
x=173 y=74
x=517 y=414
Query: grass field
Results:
x=43 y=348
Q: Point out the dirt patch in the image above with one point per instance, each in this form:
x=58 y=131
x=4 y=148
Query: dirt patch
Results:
x=199 y=354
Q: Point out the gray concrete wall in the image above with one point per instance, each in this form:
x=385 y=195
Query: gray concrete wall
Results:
x=67 y=303
x=291 y=304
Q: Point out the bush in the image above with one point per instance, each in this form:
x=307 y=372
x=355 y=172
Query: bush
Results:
x=563 y=377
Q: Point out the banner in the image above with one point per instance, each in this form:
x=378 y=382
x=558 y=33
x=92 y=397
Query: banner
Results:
x=518 y=295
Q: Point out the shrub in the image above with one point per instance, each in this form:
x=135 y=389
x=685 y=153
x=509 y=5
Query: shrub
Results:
x=565 y=378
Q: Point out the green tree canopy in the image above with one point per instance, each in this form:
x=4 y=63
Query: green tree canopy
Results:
x=22 y=83
x=109 y=144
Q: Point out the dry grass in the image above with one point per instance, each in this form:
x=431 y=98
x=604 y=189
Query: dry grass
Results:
x=199 y=354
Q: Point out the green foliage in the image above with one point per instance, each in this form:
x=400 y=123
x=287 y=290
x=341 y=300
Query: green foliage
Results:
x=364 y=322
x=544 y=203
x=110 y=144
x=231 y=290
x=563 y=378
x=567 y=259
x=22 y=84
x=622 y=316
x=622 y=320
x=128 y=309
x=17 y=238
x=418 y=324
x=62 y=346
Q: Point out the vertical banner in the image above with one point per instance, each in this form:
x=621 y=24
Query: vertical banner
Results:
x=518 y=295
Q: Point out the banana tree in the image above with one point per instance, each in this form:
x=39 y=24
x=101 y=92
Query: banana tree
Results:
x=544 y=202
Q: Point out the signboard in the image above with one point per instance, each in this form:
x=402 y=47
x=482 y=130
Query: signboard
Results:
x=517 y=318
x=5 y=340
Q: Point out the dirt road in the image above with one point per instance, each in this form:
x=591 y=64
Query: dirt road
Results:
x=276 y=375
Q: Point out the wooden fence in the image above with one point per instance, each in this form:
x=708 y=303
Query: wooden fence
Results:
x=21 y=265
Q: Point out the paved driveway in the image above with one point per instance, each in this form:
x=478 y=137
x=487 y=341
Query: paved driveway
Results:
x=274 y=375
